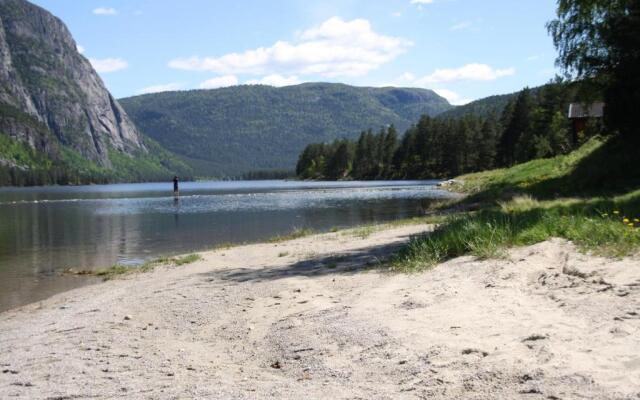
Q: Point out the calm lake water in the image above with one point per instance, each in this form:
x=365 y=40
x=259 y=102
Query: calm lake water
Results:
x=46 y=230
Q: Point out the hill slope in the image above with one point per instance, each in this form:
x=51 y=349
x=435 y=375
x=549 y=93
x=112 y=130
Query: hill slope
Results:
x=232 y=130
x=55 y=111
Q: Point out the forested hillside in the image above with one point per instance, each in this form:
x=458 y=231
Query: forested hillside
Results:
x=482 y=107
x=230 y=131
x=490 y=105
x=532 y=124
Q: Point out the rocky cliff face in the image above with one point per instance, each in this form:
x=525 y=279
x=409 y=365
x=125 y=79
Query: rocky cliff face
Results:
x=50 y=94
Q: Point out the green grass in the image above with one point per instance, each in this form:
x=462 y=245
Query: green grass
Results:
x=119 y=269
x=188 y=259
x=601 y=167
x=225 y=246
x=297 y=233
x=363 y=231
x=583 y=197
x=111 y=272
x=593 y=225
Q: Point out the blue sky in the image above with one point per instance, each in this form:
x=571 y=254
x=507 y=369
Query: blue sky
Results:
x=463 y=49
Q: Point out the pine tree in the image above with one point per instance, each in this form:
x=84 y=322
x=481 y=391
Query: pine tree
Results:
x=517 y=127
x=339 y=161
x=390 y=147
x=486 y=146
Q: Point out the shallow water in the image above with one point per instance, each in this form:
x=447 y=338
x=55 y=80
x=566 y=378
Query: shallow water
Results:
x=46 y=230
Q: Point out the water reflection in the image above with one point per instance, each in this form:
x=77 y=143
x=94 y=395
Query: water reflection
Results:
x=46 y=230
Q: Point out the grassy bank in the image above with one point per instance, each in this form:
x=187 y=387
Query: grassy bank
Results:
x=529 y=203
x=600 y=167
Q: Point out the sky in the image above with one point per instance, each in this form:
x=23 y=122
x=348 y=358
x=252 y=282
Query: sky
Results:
x=462 y=49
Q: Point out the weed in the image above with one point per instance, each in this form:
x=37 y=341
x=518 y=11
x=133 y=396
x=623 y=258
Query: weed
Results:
x=297 y=233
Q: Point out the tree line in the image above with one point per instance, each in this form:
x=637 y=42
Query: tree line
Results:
x=533 y=124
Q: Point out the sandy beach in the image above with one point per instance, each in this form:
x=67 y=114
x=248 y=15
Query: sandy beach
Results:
x=317 y=318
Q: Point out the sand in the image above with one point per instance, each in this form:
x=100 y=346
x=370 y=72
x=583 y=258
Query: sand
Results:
x=316 y=318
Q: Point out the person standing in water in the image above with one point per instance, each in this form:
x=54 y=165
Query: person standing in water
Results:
x=176 y=192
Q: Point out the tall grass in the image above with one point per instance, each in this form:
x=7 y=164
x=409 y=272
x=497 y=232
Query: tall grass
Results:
x=605 y=226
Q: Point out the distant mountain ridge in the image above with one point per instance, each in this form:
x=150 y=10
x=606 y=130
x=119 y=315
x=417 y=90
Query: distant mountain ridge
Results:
x=56 y=113
x=229 y=131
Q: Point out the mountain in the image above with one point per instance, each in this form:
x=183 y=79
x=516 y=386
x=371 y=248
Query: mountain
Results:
x=233 y=130
x=58 y=122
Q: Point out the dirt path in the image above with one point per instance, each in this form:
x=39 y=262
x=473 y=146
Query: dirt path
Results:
x=301 y=319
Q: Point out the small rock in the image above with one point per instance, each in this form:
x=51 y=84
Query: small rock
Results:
x=532 y=390
x=127 y=317
x=472 y=351
x=23 y=384
x=535 y=337
x=276 y=365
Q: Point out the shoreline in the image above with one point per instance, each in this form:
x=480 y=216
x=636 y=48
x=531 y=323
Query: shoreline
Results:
x=32 y=270
x=316 y=317
x=99 y=275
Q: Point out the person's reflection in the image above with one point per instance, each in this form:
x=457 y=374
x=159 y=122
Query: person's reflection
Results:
x=176 y=210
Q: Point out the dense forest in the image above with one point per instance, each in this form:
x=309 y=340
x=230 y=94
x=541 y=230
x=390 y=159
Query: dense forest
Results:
x=231 y=131
x=530 y=124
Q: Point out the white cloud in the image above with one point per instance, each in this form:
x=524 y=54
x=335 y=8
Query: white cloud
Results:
x=105 y=11
x=397 y=14
x=421 y=1
x=460 y=26
x=80 y=49
x=452 y=97
x=469 y=72
x=106 y=65
x=275 y=80
x=219 y=81
x=334 y=48
x=406 y=79
x=533 y=58
x=161 y=88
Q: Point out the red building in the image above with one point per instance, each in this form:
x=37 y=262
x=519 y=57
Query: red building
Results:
x=580 y=114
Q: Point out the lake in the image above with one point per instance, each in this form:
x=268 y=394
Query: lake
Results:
x=45 y=230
